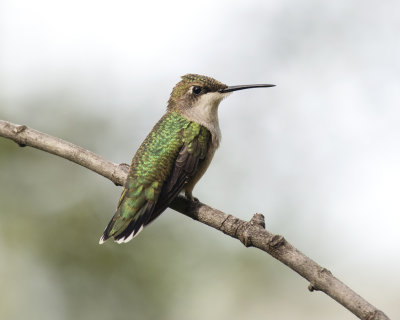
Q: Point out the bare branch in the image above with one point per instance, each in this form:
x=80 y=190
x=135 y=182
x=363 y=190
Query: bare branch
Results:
x=251 y=234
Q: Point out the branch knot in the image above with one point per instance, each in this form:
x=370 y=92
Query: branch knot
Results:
x=121 y=167
x=276 y=241
x=258 y=220
x=244 y=235
x=19 y=129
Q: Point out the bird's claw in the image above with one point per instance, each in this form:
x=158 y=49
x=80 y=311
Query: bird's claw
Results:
x=194 y=199
x=190 y=197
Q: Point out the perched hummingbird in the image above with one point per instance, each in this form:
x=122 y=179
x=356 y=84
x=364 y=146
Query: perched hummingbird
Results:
x=174 y=155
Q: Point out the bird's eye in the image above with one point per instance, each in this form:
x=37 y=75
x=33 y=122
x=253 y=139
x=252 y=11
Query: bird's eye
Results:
x=196 y=90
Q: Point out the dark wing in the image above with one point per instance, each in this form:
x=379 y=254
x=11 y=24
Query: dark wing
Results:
x=185 y=168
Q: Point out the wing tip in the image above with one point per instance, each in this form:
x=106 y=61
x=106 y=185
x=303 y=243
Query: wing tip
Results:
x=103 y=238
x=126 y=239
x=123 y=239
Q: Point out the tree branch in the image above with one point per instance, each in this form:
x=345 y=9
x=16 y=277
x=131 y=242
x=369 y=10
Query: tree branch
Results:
x=251 y=234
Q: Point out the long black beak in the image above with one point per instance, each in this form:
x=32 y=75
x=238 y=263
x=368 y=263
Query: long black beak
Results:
x=246 y=86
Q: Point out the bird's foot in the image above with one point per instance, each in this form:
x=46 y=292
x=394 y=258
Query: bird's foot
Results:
x=190 y=197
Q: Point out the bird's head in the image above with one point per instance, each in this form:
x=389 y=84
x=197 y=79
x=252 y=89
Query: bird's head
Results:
x=196 y=91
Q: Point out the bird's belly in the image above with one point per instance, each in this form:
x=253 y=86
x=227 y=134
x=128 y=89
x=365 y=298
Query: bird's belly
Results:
x=200 y=171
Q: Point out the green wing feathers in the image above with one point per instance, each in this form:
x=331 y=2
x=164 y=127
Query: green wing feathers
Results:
x=162 y=165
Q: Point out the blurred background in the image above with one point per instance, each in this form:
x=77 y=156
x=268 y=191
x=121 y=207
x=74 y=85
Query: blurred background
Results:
x=318 y=155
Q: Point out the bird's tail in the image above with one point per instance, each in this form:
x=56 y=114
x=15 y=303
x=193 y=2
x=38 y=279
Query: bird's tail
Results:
x=125 y=229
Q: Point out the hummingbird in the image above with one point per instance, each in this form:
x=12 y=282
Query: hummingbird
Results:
x=174 y=155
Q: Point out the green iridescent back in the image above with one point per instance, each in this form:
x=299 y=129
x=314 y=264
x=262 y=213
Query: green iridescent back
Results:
x=152 y=165
x=152 y=160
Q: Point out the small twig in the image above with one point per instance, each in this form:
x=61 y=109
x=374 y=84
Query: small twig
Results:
x=251 y=234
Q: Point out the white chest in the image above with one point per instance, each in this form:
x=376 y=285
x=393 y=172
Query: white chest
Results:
x=205 y=112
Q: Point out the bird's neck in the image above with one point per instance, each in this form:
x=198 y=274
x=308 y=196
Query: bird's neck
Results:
x=205 y=113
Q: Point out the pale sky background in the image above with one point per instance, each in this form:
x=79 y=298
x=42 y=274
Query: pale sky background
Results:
x=318 y=155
